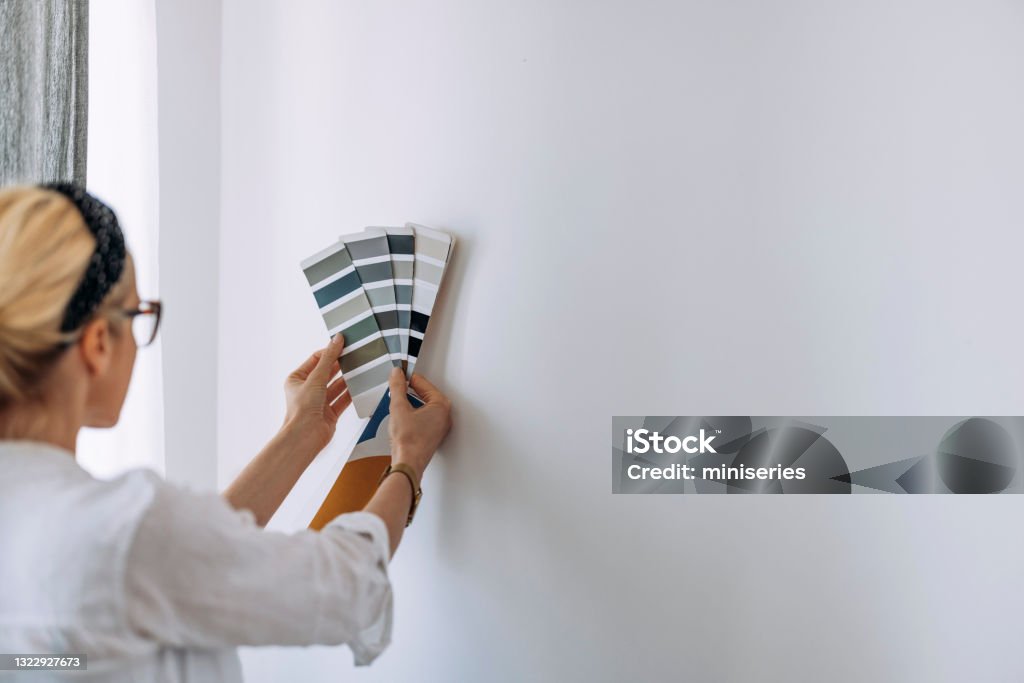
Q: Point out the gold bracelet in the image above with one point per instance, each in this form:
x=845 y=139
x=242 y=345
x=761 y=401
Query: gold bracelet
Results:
x=410 y=474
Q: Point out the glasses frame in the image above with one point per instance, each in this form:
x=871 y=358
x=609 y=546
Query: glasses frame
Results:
x=145 y=307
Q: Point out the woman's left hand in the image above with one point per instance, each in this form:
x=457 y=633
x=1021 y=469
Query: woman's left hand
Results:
x=315 y=397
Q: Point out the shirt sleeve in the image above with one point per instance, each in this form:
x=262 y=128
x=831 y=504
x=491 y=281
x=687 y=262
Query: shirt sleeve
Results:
x=199 y=573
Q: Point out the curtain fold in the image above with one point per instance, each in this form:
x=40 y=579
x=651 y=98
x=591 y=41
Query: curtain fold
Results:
x=43 y=90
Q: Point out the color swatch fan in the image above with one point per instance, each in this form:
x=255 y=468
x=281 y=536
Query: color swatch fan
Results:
x=378 y=288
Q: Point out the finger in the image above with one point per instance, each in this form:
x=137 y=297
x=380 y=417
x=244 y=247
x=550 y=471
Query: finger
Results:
x=398 y=386
x=334 y=369
x=302 y=372
x=343 y=401
x=427 y=391
x=328 y=357
x=336 y=389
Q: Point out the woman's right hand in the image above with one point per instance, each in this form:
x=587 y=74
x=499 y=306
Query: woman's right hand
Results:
x=417 y=432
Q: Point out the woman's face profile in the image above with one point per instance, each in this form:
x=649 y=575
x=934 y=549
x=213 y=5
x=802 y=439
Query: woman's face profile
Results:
x=110 y=386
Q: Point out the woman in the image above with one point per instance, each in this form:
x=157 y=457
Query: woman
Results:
x=150 y=581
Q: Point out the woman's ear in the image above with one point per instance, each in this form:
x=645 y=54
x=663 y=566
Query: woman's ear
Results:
x=96 y=346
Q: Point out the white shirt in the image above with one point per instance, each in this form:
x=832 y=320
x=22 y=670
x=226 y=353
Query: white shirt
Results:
x=158 y=583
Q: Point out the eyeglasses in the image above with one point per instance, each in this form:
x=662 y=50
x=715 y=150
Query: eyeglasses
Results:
x=145 y=321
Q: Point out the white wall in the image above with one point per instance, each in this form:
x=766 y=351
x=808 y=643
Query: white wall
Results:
x=662 y=208
x=189 y=51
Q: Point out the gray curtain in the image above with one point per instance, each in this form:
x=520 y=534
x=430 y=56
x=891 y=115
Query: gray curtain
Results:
x=43 y=90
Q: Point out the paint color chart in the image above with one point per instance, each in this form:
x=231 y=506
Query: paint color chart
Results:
x=402 y=243
x=378 y=289
x=431 y=252
x=372 y=259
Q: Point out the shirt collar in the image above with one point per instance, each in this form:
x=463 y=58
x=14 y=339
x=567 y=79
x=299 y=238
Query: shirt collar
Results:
x=36 y=448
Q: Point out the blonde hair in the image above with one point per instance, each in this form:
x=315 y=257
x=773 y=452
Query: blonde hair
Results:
x=45 y=248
